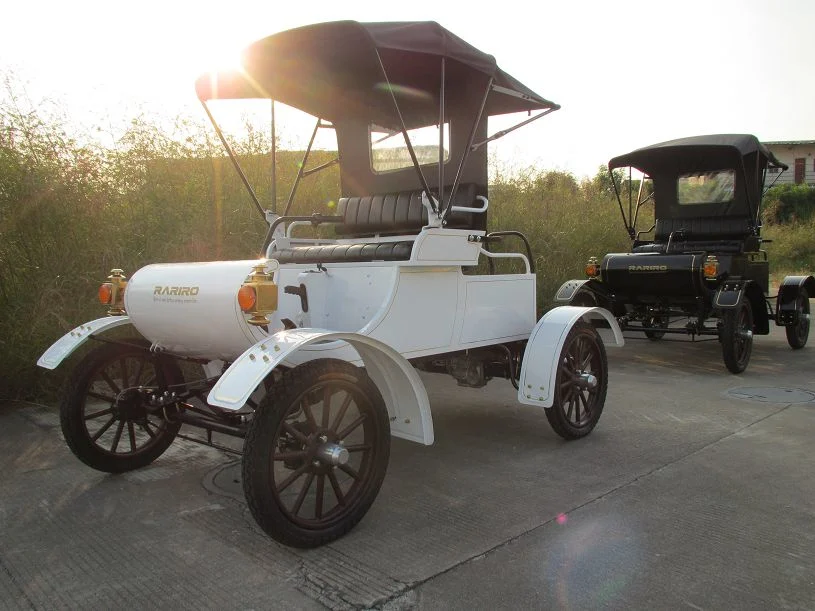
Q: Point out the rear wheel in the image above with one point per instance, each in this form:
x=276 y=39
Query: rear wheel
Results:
x=737 y=336
x=580 y=385
x=104 y=419
x=798 y=333
x=316 y=453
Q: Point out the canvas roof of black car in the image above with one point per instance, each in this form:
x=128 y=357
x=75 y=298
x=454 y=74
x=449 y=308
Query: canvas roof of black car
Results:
x=346 y=69
x=696 y=153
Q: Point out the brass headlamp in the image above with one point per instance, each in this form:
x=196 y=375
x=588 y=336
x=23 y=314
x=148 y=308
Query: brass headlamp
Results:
x=112 y=293
x=711 y=267
x=258 y=295
x=592 y=268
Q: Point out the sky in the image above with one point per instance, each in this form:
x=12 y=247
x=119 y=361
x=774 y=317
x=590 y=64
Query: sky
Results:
x=627 y=73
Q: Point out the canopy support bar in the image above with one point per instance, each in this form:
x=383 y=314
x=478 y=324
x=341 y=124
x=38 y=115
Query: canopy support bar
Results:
x=441 y=138
x=469 y=147
x=504 y=132
x=405 y=135
x=300 y=173
x=234 y=160
x=273 y=194
x=628 y=228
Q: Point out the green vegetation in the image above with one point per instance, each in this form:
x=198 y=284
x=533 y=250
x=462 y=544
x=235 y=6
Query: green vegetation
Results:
x=789 y=204
x=70 y=211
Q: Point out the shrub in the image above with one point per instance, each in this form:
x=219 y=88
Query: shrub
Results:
x=789 y=203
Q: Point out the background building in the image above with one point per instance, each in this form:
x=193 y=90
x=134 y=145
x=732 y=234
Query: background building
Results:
x=799 y=155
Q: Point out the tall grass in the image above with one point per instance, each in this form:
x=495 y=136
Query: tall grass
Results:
x=70 y=211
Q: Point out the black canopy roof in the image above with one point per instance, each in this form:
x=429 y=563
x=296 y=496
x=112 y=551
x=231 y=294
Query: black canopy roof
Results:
x=346 y=69
x=697 y=153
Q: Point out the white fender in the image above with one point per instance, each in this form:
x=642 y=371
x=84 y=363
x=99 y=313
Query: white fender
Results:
x=401 y=387
x=69 y=342
x=539 y=368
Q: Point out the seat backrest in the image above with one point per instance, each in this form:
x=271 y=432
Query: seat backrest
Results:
x=704 y=228
x=400 y=213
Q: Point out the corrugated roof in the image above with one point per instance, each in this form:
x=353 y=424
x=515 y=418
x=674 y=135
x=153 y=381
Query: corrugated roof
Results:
x=789 y=142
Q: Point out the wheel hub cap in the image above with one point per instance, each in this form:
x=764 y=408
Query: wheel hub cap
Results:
x=332 y=454
x=129 y=405
x=587 y=380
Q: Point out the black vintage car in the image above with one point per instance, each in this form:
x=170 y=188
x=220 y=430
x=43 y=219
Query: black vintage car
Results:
x=704 y=272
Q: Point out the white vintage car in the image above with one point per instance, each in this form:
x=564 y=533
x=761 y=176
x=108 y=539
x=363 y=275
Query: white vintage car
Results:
x=310 y=353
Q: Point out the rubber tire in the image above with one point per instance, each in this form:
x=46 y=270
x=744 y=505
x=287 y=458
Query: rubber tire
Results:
x=730 y=328
x=797 y=335
x=556 y=415
x=261 y=437
x=73 y=423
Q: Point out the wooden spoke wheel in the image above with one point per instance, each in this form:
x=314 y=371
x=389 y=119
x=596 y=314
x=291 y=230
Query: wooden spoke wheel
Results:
x=737 y=336
x=581 y=384
x=316 y=453
x=798 y=333
x=103 y=416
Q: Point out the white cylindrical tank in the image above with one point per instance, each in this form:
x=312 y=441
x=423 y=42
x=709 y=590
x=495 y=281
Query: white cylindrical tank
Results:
x=192 y=309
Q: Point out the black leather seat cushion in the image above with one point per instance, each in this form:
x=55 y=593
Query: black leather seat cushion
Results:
x=339 y=253
x=677 y=247
x=704 y=228
x=725 y=234
x=396 y=213
x=390 y=214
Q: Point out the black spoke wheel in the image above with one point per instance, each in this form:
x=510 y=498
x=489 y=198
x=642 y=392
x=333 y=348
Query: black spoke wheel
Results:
x=654 y=321
x=581 y=384
x=737 y=336
x=316 y=453
x=798 y=333
x=104 y=419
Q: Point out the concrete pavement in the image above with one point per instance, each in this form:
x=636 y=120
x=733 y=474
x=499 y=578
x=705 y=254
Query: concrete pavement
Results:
x=695 y=490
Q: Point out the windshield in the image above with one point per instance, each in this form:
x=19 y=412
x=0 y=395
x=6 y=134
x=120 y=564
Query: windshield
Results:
x=717 y=187
x=389 y=151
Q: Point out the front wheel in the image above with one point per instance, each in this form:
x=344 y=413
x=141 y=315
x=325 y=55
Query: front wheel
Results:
x=737 y=336
x=798 y=333
x=580 y=385
x=103 y=416
x=316 y=453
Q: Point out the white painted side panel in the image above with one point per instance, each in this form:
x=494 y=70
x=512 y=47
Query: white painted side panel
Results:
x=421 y=313
x=400 y=386
x=447 y=246
x=539 y=367
x=498 y=307
x=69 y=342
x=344 y=299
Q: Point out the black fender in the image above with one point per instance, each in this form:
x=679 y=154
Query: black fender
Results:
x=575 y=292
x=732 y=293
x=785 y=310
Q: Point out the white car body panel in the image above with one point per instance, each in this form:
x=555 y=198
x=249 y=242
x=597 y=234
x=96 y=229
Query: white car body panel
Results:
x=65 y=345
x=539 y=367
x=374 y=314
x=401 y=388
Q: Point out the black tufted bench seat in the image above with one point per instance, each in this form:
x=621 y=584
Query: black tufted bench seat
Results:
x=333 y=253
x=389 y=214
x=710 y=234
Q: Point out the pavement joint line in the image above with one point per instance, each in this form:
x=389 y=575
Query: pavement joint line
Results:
x=13 y=579
x=412 y=586
x=404 y=587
